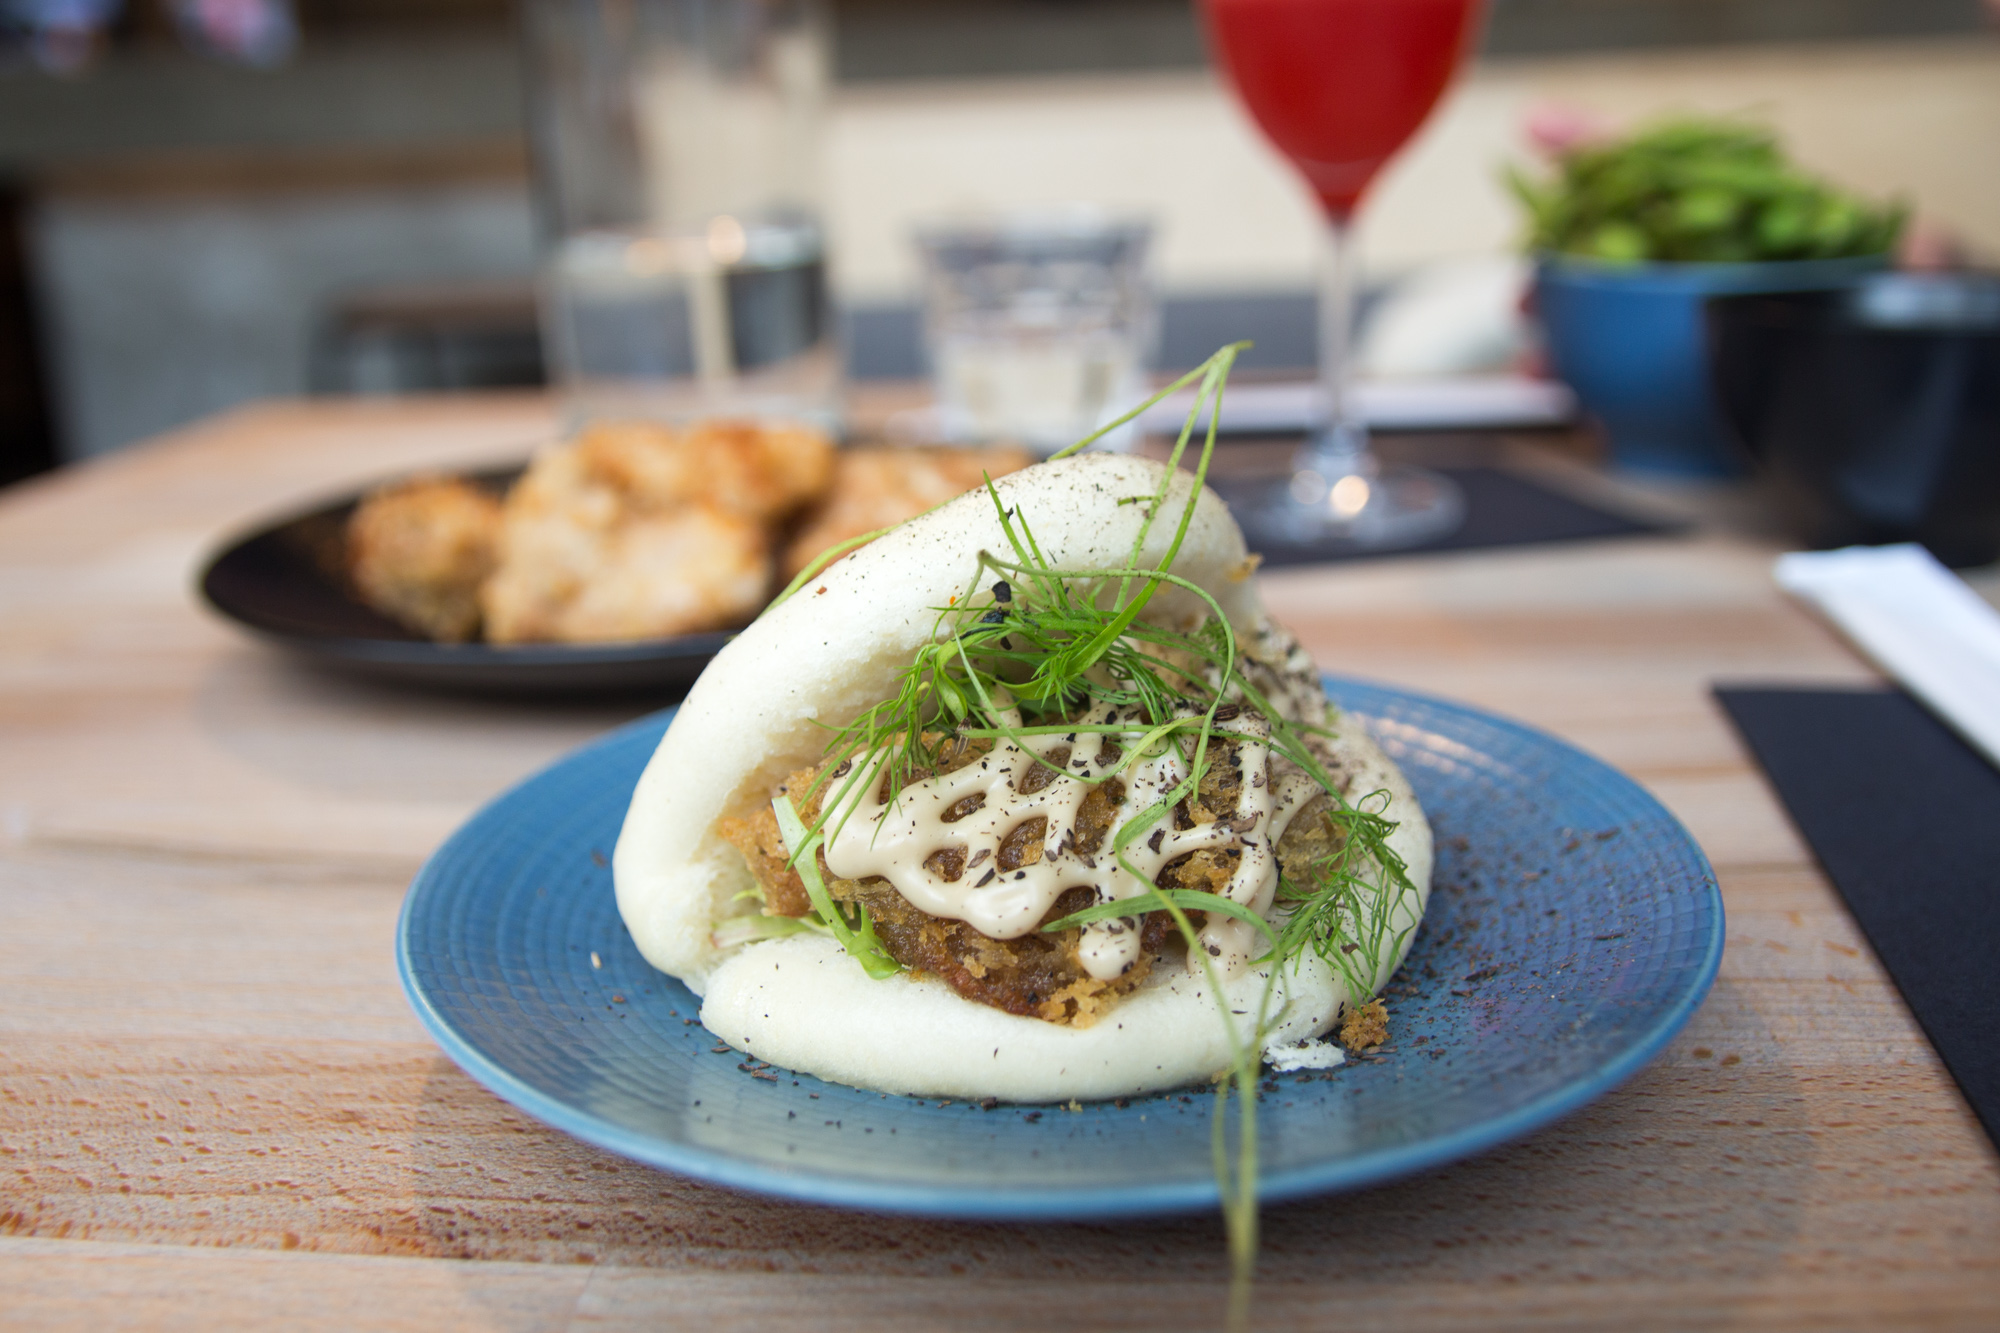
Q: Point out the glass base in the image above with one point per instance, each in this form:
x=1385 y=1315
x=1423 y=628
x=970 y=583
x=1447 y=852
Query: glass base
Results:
x=1368 y=509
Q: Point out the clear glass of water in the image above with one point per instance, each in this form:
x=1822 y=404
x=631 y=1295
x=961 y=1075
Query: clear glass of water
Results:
x=1038 y=326
x=677 y=163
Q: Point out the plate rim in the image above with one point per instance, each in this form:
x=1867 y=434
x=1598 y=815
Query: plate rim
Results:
x=1043 y=1203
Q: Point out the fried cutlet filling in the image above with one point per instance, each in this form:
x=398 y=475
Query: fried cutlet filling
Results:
x=1039 y=974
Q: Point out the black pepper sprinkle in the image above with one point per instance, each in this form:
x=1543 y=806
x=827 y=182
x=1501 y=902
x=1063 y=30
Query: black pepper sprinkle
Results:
x=984 y=880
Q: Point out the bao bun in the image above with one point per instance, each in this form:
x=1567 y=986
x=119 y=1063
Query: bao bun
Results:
x=761 y=711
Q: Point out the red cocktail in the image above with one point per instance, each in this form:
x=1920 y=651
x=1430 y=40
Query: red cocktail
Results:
x=1339 y=86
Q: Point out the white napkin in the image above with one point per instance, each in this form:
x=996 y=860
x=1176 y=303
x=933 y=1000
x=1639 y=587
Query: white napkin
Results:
x=1918 y=622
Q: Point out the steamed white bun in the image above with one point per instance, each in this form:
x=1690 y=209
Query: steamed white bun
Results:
x=759 y=712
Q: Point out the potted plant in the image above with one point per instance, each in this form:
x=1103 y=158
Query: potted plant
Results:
x=1632 y=235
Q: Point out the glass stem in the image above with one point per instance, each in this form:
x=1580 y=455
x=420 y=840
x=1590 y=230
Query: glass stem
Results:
x=1341 y=446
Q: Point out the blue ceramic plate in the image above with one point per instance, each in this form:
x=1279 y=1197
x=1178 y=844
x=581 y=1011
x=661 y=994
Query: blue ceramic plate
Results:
x=1574 y=927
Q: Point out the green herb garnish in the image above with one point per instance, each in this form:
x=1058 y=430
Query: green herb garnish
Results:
x=1695 y=190
x=1030 y=649
x=858 y=937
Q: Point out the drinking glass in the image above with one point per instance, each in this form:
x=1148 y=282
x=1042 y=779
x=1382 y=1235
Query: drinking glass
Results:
x=1037 y=325
x=677 y=164
x=1338 y=86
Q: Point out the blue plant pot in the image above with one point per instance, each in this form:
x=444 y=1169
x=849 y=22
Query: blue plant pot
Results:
x=1629 y=339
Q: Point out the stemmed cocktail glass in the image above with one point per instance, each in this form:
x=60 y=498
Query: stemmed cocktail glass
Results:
x=1338 y=86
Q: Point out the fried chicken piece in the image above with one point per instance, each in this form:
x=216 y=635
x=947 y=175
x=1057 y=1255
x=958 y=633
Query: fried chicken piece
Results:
x=756 y=834
x=418 y=551
x=763 y=846
x=1037 y=975
x=638 y=530
x=756 y=470
x=577 y=575
x=880 y=487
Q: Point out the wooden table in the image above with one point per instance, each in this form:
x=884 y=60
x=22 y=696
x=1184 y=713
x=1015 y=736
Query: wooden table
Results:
x=217 y=1111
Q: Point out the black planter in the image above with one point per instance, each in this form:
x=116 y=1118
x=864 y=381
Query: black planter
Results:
x=1872 y=412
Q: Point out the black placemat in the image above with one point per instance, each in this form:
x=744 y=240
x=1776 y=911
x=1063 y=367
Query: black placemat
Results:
x=1502 y=508
x=1905 y=817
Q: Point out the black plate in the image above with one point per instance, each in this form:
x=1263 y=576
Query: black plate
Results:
x=286 y=584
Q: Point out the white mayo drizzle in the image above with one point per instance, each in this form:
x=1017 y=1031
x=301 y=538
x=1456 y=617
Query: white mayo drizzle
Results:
x=871 y=837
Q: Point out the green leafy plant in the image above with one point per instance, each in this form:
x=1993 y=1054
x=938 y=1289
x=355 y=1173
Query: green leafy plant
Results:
x=1030 y=649
x=1694 y=190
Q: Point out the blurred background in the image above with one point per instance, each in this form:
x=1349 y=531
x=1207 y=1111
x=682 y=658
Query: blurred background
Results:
x=204 y=202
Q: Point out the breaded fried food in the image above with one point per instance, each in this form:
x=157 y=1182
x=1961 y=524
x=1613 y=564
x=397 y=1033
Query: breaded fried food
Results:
x=877 y=488
x=418 y=551
x=758 y=470
x=1040 y=974
x=638 y=530
x=592 y=571
x=1036 y=975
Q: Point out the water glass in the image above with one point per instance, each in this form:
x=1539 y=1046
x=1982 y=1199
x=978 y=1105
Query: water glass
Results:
x=1038 y=327
x=677 y=164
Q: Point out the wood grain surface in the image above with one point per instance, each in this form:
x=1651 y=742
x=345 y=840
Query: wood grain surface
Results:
x=216 y=1109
